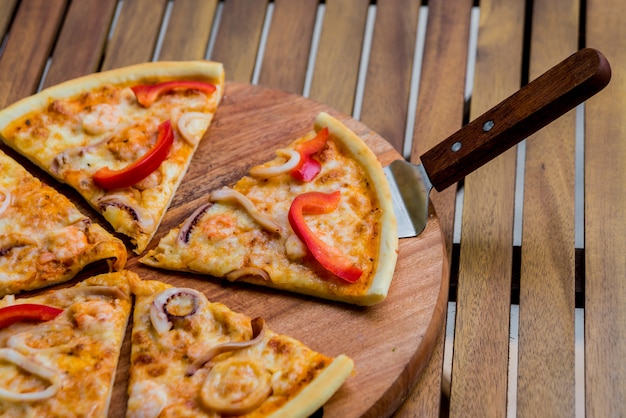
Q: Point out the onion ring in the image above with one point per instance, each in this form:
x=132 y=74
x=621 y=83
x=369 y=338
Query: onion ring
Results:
x=293 y=159
x=236 y=386
x=52 y=376
x=193 y=125
x=227 y=194
x=258 y=334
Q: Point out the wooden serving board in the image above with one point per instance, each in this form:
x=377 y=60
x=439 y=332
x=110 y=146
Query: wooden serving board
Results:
x=391 y=342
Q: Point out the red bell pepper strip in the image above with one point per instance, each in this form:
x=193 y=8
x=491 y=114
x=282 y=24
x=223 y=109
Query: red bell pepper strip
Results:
x=135 y=172
x=308 y=168
x=27 y=312
x=328 y=256
x=148 y=93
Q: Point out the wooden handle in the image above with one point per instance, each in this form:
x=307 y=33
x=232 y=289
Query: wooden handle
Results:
x=544 y=99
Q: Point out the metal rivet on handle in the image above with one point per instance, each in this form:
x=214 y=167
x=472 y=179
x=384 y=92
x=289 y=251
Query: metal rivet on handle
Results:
x=488 y=125
x=456 y=146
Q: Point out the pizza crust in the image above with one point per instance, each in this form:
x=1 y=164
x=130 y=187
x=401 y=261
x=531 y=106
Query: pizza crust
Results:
x=314 y=396
x=388 y=251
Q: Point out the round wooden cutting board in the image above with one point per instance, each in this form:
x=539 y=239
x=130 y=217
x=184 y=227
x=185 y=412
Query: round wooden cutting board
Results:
x=391 y=342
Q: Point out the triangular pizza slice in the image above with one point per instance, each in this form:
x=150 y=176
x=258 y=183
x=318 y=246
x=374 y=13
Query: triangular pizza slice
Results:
x=123 y=138
x=192 y=357
x=317 y=220
x=59 y=350
x=44 y=238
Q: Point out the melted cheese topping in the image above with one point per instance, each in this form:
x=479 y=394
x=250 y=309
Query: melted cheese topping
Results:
x=82 y=345
x=44 y=239
x=159 y=364
x=226 y=238
x=75 y=135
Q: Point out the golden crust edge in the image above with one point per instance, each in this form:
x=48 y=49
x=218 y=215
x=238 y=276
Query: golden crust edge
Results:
x=319 y=391
x=210 y=69
x=388 y=249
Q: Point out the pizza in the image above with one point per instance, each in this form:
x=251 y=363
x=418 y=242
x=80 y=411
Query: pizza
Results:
x=122 y=138
x=44 y=238
x=316 y=220
x=192 y=357
x=59 y=350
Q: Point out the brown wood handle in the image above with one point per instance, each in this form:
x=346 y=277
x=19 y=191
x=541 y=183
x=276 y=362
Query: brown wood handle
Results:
x=535 y=105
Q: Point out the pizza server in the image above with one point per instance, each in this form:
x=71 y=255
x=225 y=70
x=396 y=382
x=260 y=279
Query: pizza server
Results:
x=534 y=106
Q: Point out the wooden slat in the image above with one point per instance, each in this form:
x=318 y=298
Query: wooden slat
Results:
x=546 y=366
x=388 y=80
x=481 y=339
x=134 y=39
x=605 y=200
x=238 y=38
x=28 y=48
x=6 y=13
x=80 y=45
x=339 y=54
x=440 y=105
x=188 y=30
x=288 y=45
x=439 y=113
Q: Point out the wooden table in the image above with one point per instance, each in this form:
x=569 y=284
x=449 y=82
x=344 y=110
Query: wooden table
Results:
x=536 y=239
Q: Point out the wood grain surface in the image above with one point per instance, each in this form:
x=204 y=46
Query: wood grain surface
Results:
x=547 y=285
x=481 y=337
x=605 y=234
x=388 y=80
x=288 y=45
x=240 y=30
x=79 y=46
x=7 y=8
x=391 y=342
x=136 y=40
x=23 y=60
x=337 y=63
x=191 y=22
x=445 y=58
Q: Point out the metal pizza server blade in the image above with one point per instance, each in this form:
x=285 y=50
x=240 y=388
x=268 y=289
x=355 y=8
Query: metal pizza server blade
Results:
x=410 y=191
x=557 y=91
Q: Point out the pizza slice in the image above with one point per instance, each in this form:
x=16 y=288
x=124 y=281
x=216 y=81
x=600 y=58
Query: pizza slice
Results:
x=123 y=138
x=316 y=220
x=59 y=350
x=192 y=357
x=44 y=238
